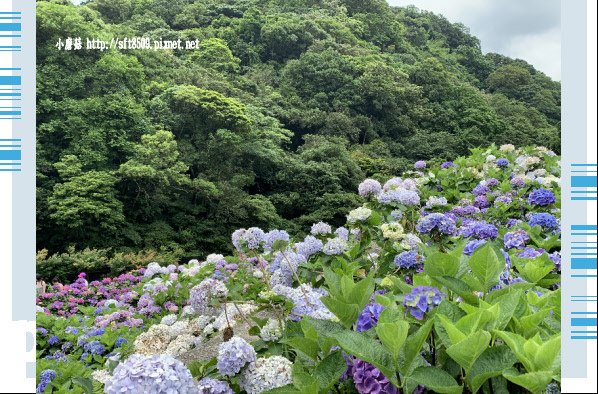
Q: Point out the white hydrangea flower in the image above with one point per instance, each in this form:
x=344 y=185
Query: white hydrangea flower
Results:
x=153 y=341
x=101 y=375
x=188 y=311
x=272 y=330
x=178 y=328
x=392 y=230
x=212 y=258
x=182 y=344
x=360 y=214
x=266 y=374
x=168 y=320
x=507 y=148
x=490 y=158
x=197 y=325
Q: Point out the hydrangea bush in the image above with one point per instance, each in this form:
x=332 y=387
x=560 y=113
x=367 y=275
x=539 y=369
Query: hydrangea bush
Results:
x=446 y=279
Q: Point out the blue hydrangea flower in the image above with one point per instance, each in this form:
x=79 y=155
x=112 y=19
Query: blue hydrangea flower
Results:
x=408 y=259
x=436 y=221
x=53 y=340
x=234 y=355
x=544 y=220
x=516 y=239
x=94 y=347
x=541 y=197
x=481 y=202
x=422 y=299
x=420 y=165
x=472 y=246
x=120 y=341
x=400 y=195
x=45 y=377
x=71 y=330
x=480 y=190
x=368 y=318
x=321 y=228
x=502 y=162
x=530 y=253
x=42 y=331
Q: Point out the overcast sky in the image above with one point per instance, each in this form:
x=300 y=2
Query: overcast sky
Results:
x=524 y=29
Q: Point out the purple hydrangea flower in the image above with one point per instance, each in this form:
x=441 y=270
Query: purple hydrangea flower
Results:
x=518 y=182
x=516 y=239
x=53 y=340
x=120 y=341
x=369 y=380
x=321 y=228
x=530 y=253
x=343 y=233
x=436 y=221
x=503 y=200
x=201 y=294
x=422 y=299
x=502 y=162
x=420 y=165
x=544 y=220
x=541 y=197
x=481 y=202
x=472 y=246
x=94 y=347
x=480 y=189
x=479 y=229
x=213 y=386
x=234 y=355
x=369 y=187
x=408 y=259
x=400 y=195
x=556 y=259
x=368 y=318
x=447 y=164
x=42 y=331
x=152 y=375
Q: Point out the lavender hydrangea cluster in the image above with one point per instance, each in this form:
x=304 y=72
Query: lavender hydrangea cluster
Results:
x=436 y=221
x=213 y=386
x=541 y=197
x=335 y=246
x=368 y=318
x=530 y=253
x=369 y=187
x=45 y=377
x=422 y=299
x=400 y=196
x=252 y=238
x=544 y=220
x=152 y=375
x=420 y=165
x=273 y=236
x=448 y=164
x=369 y=380
x=306 y=301
x=478 y=229
x=516 y=239
x=234 y=355
x=201 y=294
x=408 y=259
x=310 y=246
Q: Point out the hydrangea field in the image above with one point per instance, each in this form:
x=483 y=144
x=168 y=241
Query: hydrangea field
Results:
x=446 y=279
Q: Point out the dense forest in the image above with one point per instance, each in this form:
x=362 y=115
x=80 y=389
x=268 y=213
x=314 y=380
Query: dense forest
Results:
x=273 y=121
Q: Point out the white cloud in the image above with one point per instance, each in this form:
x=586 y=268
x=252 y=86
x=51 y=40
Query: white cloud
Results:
x=529 y=30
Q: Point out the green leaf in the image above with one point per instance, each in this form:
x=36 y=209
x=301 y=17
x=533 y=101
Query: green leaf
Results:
x=441 y=264
x=508 y=303
x=436 y=380
x=458 y=287
x=534 y=270
x=393 y=336
x=490 y=364
x=85 y=383
x=466 y=352
x=486 y=266
x=547 y=357
x=535 y=382
x=516 y=343
x=346 y=313
x=361 y=292
x=413 y=345
x=362 y=347
x=329 y=370
x=455 y=335
x=288 y=389
x=307 y=347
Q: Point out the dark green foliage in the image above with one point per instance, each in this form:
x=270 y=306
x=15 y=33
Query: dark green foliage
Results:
x=273 y=121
